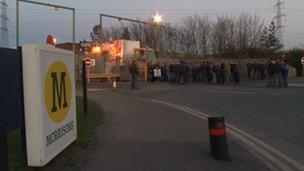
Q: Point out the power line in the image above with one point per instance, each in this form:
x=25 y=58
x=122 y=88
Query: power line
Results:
x=298 y=34
x=170 y=10
x=295 y=27
x=296 y=10
x=296 y=21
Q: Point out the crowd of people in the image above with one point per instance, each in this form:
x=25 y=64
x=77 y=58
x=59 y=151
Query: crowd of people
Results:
x=221 y=73
x=275 y=72
x=206 y=72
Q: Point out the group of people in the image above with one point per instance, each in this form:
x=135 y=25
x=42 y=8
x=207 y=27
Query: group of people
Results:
x=275 y=72
x=206 y=72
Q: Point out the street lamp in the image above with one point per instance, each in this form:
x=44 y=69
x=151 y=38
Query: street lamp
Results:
x=96 y=50
x=157 y=18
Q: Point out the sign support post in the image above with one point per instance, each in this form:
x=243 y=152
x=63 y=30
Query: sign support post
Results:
x=302 y=61
x=84 y=87
x=3 y=153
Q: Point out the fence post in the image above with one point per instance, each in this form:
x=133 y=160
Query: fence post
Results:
x=84 y=88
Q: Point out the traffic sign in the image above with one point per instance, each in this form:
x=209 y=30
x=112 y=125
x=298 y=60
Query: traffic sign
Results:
x=302 y=60
x=88 y=62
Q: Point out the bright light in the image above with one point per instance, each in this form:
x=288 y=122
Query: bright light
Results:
x=158 y=18
x=54 y=40
x=96 y=50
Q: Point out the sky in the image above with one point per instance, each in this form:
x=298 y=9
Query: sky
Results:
x=36 y=22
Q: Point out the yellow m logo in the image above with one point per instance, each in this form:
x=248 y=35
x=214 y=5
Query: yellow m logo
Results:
x=60 y=93
x=58 y=89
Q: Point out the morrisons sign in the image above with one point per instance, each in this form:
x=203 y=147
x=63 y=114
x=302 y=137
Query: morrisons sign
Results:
x=49 y=97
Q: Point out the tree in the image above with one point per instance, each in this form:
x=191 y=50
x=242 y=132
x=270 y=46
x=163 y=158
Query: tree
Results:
x=274 y=41
x=204 y=33
x=199 y=35
x=126 y=34
x=270 y=43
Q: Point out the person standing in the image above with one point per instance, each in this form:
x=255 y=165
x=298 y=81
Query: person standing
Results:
x=227 y=73
x=222 y=73
x=208 y=72
x=255 y=70
x=285 y=71
x=278 y=68
x=176 y=73
x=181 y=76
x=134 y=73
x=203 y=70
x=214 y=71
x=263 y=70
x=164 y=72
x=171 y=73
x=186 y=72
x=236 y=73
x=248 y=66
x=194 y=74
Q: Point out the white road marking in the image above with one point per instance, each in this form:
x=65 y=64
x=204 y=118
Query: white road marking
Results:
x=229 y=92
x=274 y=156
x=296 y=84
x=95 y=89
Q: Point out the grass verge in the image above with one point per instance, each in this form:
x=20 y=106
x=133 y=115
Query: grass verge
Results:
x=86 y=128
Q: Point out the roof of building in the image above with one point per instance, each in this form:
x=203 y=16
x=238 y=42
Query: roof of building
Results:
x=69 y=46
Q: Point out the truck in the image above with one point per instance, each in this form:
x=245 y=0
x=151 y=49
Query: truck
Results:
x=116 y=57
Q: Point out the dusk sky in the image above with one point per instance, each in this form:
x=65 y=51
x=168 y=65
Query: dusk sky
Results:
x=37 y=21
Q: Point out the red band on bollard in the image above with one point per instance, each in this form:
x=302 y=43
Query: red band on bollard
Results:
x=217 y=132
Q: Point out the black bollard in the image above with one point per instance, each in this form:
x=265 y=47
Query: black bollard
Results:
x=217 y=134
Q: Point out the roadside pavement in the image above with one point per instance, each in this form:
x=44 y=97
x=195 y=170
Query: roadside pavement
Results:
x=140 y=135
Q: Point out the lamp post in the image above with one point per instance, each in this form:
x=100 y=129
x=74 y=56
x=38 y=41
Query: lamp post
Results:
x=56 y=7
x=159 y=20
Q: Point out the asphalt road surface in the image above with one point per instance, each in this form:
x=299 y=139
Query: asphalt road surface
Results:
x=163 y=127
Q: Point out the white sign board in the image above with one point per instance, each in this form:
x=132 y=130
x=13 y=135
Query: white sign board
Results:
x=88 y=62
x=157 y=72
x=49 y=102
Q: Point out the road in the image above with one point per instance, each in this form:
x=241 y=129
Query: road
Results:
x=157 y=127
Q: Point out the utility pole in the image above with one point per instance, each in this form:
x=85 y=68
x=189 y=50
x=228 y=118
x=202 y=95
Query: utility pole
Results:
x=278 y=20
x=4 y=25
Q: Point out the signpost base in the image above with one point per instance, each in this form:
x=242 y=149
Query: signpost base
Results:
x=3 y=153
x=302 y=61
